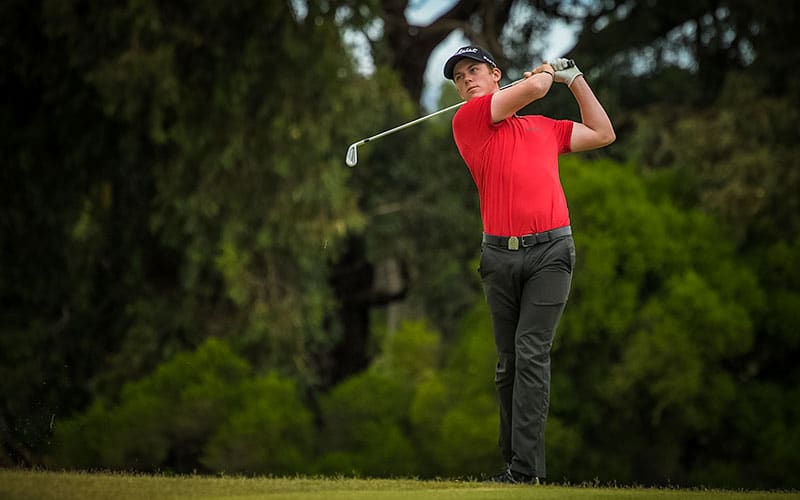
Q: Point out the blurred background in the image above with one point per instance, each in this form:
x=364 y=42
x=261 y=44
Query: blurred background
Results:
x=193 y=281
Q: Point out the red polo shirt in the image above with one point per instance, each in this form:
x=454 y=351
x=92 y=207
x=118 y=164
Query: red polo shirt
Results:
x=515 y=166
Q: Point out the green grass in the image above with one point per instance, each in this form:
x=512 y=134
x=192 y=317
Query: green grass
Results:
x=15 y=484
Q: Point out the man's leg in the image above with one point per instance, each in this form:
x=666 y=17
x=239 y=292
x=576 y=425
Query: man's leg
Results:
x=544 y=296
x=500 y=272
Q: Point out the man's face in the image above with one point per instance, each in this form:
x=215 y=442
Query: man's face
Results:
x=474 y=78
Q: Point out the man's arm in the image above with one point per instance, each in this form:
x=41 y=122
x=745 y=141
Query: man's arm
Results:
x=595 y=129
x=535 y=85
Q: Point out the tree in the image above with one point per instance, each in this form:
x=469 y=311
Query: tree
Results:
x=153 y=157
x=366 y=417
x=201 y=410
x=645 y=363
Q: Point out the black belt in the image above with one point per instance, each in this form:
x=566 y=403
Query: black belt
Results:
x=515 y=242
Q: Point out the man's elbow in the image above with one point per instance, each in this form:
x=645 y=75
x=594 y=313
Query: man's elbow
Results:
x=605 y=137
x=585 y=138
x=609 y=136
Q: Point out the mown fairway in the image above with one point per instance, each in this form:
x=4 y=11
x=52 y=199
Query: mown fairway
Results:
x=44 y=485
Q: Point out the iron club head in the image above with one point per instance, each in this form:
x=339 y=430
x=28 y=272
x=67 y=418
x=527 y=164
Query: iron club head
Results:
x=352 y=155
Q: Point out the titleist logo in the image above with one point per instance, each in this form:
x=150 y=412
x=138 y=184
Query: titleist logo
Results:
x=465 y=50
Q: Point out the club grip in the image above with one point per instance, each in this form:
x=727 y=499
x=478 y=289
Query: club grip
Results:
x=570 y=63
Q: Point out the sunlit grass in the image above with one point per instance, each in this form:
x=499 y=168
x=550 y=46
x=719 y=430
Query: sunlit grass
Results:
x=16 y=484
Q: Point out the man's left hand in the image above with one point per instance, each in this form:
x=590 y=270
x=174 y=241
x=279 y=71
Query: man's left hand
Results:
x=566 y=71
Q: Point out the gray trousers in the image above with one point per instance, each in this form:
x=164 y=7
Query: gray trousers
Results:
x=526 y=291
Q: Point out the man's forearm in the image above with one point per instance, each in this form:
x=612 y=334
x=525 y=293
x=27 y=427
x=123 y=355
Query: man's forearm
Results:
x=536 y=84
x=593 y=115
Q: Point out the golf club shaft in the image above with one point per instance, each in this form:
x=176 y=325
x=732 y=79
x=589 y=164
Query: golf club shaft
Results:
x=409 y=124
x=352 y=151
x=423 y=118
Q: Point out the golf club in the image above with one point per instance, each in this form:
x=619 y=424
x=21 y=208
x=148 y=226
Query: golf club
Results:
x=352 y=151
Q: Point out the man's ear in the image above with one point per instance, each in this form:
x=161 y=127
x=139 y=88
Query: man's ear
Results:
x=497 y=74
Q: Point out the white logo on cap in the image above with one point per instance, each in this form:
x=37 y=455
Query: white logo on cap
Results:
x=465 y=50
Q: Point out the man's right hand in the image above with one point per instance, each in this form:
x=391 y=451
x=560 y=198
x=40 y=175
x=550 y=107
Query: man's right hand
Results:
x=544 y=68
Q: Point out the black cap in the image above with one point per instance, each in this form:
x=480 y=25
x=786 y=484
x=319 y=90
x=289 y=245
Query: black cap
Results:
x=468 y=52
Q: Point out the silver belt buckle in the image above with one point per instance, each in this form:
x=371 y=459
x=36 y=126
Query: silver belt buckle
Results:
x=513 y=243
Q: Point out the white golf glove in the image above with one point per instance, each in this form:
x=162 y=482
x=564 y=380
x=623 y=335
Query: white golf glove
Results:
x=566 y=72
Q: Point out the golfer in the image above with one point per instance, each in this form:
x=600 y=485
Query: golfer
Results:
x=528 y=254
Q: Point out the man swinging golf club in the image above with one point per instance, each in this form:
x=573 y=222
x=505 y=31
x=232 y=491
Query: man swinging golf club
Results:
x=527 y=254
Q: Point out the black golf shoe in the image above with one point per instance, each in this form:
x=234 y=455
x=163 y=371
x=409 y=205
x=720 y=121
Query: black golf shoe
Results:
x=509 y=476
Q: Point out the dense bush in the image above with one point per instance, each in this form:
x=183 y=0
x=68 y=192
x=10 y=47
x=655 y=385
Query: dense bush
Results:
x=201 y=410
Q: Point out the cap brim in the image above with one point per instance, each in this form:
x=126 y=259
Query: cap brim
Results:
x=450 y=65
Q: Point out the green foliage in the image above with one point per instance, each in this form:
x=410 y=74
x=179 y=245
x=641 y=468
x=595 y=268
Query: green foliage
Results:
x=763 y=419
x=422 y=209
x=366 y=418
x=454 y=412
x=660 y=308
x=170 y=174
x=270 y=433
x=737 y=158
x=781 y=277
x=203 y=407
x=408 y=414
